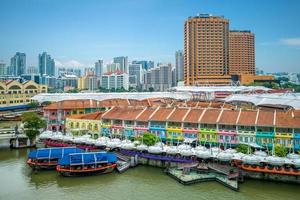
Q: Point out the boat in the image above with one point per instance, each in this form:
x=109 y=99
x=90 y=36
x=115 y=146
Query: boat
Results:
x=91 y=163
x=47 y=158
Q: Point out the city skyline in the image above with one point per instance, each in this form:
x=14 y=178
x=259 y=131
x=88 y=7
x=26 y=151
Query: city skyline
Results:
x=149 y=30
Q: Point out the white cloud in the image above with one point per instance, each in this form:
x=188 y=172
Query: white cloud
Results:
x=290 y=41
x=69 y=63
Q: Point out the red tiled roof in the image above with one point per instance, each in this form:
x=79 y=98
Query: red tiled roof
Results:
x=247 y=118
x=72 y=104
x=210 y=116
x=178 y=114
x=144 y=117
x=88 y=116
x=123 y=113
x=161 y=114
x=229 y=117
x=265 y=118
x=287 y=119
x=194 y=115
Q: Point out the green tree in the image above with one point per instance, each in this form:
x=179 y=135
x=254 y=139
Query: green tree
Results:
x=148 y=139
x=280 y=151
x=33 y=104
x=151 y=89
x=243 y=148
x=32 y=123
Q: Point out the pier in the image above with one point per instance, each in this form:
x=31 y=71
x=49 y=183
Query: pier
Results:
x=188 y=177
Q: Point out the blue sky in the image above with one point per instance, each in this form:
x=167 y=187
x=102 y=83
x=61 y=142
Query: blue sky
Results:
x=82 y=31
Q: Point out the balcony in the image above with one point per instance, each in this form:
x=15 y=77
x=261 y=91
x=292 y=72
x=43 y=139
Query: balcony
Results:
x=140 y=127
x=211 y=131
x=249 y=133
x=284 y=135
x=227 y=132
x=264 y=134
x=105 y=125
x=174 y=128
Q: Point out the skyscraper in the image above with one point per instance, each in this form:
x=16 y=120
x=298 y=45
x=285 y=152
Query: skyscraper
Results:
x=159 y=78
x=179 y=65
x=123 y=62
x=135 y=75
x=99 y=68
x=18 y=64
x=46 y=65
x=206 y=55
x=241 y=53
x=3 y=68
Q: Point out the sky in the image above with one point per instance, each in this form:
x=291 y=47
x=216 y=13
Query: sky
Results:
x=79 y=32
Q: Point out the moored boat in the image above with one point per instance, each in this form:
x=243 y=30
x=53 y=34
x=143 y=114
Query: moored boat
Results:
x=47 y=158
x=90 y=163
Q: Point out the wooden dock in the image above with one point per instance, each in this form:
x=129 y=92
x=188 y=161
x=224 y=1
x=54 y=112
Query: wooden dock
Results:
x=196 y=177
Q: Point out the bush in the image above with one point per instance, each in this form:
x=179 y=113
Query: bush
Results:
x=280 y=151
x=148 y=139
x=243 y=148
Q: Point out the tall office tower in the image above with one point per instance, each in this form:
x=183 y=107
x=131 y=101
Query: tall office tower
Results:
x=46 y=65
x=135 y=75
x=159 y=78
x=32 y=70
x=206 y=55
x=241 y=53
x=150 y=64
x=123 y=62
x=113 y=67
x=99 y=68
x=144 y=63
x=18 y=64
x=3 y=68
x=179 y=65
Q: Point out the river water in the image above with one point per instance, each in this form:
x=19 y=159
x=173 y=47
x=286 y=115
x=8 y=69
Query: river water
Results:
x=18 y=182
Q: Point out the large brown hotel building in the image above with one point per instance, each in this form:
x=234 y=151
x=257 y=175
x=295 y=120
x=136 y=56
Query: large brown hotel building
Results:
x=241 y=53
x=212 y=53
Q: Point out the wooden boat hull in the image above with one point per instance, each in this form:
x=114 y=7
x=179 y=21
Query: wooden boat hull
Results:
x=41 y=165
x=86 y=172
x=268 y=169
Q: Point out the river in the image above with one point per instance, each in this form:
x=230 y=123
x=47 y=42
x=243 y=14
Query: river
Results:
x=18 y=182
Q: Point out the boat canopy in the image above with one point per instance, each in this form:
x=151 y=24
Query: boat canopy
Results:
x=88 y=158
x=52 y=153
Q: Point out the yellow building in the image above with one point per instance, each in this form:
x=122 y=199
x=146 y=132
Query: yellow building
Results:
x=13 y=93
x=82 y=83
x=85 y=123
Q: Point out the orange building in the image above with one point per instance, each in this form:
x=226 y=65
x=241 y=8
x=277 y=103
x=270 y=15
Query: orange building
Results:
x=241 y=53
x=206 y=54
x=246 y=79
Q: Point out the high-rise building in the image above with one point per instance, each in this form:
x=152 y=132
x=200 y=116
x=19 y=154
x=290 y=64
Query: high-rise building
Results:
x=18 y=64
x=3 y=68
x=206 y=54
x=99 y=68
x=241 y=53
x=115 y=80
x=150 y=64
x=135 y=75
x=123 y=62
x=113 y=67
x=179 y=67
x=159 y=78
x=46 y=65
x=32 y=70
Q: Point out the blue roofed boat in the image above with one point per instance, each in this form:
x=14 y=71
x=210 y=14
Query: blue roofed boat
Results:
x=90 y=163
x=47 y=158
